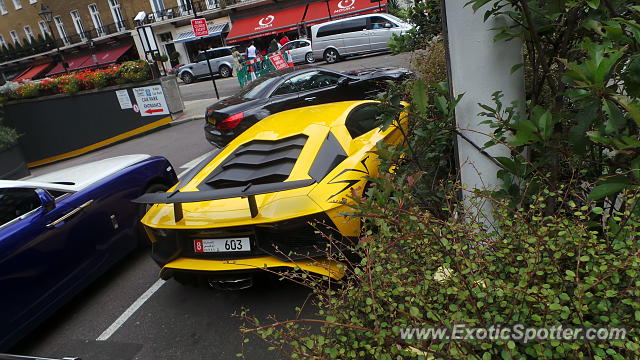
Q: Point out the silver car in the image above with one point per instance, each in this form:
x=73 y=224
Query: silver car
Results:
x=355 y=35
x=221 y=60
x=300 y=51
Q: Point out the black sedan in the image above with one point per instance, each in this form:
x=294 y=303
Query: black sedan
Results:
x=288 y=89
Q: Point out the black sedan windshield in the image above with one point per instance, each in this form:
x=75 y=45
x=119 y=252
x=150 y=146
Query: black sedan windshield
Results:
x=258 y=87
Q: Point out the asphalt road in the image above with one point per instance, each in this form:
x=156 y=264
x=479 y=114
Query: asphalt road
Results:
x=203 y=88
x=137 y=316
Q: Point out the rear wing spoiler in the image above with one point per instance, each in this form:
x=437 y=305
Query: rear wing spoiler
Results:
x=21 y=357
x=177 y=198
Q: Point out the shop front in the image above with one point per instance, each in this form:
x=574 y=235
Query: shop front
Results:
x=193 y=45
x=294 y=22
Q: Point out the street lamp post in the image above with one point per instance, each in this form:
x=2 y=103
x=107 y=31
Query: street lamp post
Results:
x=47 y=15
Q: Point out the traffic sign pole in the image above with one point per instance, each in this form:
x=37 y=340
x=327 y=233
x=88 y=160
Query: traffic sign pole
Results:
x=200 y=28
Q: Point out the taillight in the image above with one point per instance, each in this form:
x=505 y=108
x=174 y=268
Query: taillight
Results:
x=231 y=122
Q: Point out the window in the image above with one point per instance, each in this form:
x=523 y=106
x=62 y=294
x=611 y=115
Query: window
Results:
x=14 y=37
x=184 y=6
x=342 y=27
x=114 y=5
x=378 y=22
x=157 y=7
x=354 y=25
x=289 y=46
x=3 y=44
x=361 y=120
x=17 y=4
x=44 y=29
x=29 y=33
x=77 y=23
x=165 y=37
x=3 y=8
x=311 y=80
x=61 y=30
x=16 y=202
x=97 y=21
x=212 y=4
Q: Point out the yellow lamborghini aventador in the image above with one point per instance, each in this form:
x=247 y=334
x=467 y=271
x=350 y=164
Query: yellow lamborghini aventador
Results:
x=271 y=198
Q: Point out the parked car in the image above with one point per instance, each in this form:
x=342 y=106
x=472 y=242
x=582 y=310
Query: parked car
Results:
x=271 y=197
x=356 y=35
x=60 y=231
x=221 y=60
x=300 y=51
x=287 y=89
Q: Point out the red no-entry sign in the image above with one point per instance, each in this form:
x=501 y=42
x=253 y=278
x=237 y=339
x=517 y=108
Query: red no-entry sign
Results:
x=199 y=27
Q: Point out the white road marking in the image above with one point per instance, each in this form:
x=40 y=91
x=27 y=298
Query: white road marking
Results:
x=195 y=161
x=144 y=297
x=132 y=309
x=191 y=164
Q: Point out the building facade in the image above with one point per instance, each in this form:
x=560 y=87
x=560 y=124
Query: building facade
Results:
x=93 y=33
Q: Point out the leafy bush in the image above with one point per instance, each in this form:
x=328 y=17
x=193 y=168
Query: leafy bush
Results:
x=29 y=90
x=431 y=63
x=583 y=113
x=134 y=71
x=421 y=271
x=426 y=19
x=8 y=137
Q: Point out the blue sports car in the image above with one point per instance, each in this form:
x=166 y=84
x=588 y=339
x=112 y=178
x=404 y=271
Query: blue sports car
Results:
x=60 y=231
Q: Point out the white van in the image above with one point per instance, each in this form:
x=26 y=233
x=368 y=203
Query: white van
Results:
x=354 y=35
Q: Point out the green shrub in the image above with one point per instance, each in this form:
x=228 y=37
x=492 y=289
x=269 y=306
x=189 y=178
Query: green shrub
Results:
x=8 y=137
x=133 y=71
x=431 y=63
x=29 y=90
x=421 y=271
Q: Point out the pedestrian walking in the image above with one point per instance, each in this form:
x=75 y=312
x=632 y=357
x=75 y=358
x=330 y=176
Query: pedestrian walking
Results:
x=236 y=61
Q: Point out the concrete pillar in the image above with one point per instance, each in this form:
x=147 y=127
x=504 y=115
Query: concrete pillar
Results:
x=172 y=94
x=478 y=67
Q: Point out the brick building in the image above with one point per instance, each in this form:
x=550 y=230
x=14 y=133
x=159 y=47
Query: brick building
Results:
x=81 y=29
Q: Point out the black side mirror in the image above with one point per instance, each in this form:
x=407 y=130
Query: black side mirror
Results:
x=46 y=200
x=343 y=81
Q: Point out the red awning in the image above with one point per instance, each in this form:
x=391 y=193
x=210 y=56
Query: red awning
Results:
x=108 y=56
x=73 y=64
x=340 y=8
x=32 y=72
x=319 y=11
x=289 y=19
x=267 y=24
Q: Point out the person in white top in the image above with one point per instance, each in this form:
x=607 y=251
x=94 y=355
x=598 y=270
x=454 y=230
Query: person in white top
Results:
x=251 y=51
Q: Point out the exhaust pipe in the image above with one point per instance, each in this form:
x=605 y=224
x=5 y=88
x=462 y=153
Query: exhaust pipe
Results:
x=231 y=284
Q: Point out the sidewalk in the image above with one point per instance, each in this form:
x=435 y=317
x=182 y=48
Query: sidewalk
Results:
x=193 y=110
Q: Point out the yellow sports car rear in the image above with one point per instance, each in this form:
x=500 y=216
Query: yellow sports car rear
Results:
x=272 y=198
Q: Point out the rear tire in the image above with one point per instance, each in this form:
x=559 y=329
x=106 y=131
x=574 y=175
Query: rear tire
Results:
x=187 y=78
x=309 y=58
x=224 y=71
x=143 y=240
x=331 y=56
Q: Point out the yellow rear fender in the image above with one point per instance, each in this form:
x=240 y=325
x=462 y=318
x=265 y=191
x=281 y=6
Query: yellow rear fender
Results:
x=324 y=267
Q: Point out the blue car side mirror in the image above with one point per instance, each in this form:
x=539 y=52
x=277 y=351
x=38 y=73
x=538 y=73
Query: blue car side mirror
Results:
x=47 y=201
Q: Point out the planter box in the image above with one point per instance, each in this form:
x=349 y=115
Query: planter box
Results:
x=12 y=164
x=61 y=126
